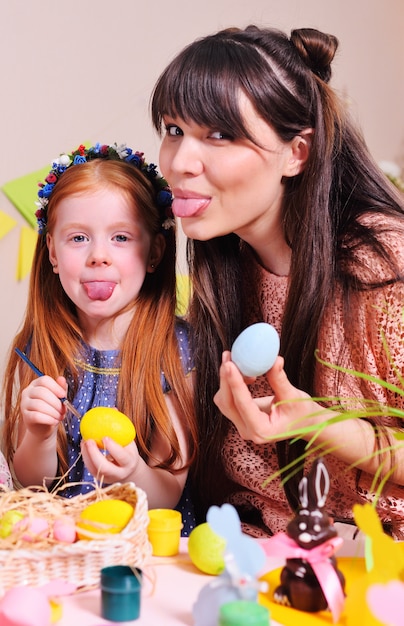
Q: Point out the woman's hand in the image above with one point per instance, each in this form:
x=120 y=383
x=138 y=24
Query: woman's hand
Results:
x=41 y=408
x=261 y=419
x=115 y=463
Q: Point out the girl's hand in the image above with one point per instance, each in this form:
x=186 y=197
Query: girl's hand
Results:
x=259 y=419
x=116 y=464
x=41 y=408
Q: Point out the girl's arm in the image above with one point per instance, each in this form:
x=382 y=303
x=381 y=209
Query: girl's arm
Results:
x=124 y=464
x=35 y=460
x=275 y=418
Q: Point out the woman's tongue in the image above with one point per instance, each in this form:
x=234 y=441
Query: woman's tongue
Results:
x=99 y=290
x=188 y=207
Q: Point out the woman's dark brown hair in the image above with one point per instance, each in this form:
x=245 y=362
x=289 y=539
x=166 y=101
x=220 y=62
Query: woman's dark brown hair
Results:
x=286 y=80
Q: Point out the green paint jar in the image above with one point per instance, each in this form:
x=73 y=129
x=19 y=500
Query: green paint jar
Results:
x=243 y=613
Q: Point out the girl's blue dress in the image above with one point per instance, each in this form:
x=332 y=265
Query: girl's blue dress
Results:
x=99 y=372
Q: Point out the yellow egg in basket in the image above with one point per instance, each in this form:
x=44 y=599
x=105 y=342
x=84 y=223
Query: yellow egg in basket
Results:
x=102 y=421
x=103 y=517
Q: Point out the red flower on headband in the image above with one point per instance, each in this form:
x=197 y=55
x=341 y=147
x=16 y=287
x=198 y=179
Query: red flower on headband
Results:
x=51 y=178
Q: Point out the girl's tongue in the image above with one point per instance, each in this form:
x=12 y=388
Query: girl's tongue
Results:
x=99 y=290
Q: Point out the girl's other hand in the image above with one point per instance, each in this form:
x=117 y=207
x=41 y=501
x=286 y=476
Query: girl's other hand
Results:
x=115 y=463
x=41 y=408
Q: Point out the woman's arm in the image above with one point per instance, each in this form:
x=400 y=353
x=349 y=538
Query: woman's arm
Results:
x=277 y=418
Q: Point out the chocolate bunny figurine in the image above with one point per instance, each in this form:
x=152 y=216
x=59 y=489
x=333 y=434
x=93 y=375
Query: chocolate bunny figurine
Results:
x=310 y=580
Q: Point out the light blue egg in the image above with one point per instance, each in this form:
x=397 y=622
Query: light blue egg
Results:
x=255 y=349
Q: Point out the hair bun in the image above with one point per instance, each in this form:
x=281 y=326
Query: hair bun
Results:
x=316 y=49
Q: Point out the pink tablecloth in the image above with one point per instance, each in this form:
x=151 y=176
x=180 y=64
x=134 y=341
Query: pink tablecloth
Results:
x=171 y=587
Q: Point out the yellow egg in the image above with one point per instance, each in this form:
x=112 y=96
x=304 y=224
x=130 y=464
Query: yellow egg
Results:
x=104 y=421
x=206 y=549
x=8 y=521
x=104 y=516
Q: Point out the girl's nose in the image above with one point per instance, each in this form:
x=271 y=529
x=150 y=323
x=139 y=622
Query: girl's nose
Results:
x=99 y=256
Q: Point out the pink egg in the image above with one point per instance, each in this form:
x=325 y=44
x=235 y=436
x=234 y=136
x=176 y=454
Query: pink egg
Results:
x=33 y=528
x=64 y=529
x=25 y=606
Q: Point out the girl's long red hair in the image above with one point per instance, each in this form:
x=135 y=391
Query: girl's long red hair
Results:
x=51 y=332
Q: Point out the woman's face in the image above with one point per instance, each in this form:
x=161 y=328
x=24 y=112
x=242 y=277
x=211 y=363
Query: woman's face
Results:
x=223 y=185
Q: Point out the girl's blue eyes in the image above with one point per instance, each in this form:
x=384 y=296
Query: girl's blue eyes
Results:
x=81 y=238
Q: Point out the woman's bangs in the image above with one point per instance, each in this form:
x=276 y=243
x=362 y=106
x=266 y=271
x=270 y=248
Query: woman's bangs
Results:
x=202 y=88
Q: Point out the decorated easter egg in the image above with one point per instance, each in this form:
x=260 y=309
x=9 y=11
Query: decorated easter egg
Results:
x=104 y=516
x=255 y=349
x=102 y=421
x=206 y=549
x=8 y=521
x=33 y=529
x=25 y=606
x=64 y=529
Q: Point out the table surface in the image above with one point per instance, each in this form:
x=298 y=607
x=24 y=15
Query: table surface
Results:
x=171 y=587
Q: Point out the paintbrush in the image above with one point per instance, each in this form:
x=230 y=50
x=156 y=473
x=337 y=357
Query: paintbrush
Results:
x=38 y=372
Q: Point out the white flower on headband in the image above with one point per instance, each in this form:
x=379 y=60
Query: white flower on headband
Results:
x=64 y=160
x=122 y=150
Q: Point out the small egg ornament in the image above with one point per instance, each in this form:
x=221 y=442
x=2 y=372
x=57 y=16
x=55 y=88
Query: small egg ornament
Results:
x=102 y=421
x=255 y=349
x=103 y=517
x=64 y=529
x=32 y=528
x=206 y=549
x=8 y=521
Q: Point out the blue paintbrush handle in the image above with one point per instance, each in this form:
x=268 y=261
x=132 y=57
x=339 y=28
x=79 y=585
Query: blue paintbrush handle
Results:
x=38 y=372
x=29 y=362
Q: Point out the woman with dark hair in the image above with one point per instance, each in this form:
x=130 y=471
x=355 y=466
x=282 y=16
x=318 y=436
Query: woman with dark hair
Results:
x=289 y=221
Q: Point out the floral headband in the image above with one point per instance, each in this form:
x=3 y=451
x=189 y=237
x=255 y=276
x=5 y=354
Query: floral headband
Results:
x=115 y=153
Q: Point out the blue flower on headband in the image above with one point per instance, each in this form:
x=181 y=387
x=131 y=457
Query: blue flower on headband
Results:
x=79 y=159
x=164 y=198
x=104 y=151
x=46 y=190
x=136 y=158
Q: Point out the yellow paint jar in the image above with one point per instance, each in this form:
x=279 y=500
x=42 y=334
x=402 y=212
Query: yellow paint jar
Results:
x=164 y=531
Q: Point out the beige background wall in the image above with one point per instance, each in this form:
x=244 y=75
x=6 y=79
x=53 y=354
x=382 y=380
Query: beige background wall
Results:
x=76 y=71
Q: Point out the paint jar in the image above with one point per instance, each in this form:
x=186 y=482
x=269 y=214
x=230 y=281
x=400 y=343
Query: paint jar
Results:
x=243 y=613
x=121 y=587
x=164 y=531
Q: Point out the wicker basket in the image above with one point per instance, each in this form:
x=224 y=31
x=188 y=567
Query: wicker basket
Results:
x=23 y=563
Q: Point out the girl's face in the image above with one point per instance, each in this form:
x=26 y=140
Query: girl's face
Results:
x=223 y=185
x=101 y=252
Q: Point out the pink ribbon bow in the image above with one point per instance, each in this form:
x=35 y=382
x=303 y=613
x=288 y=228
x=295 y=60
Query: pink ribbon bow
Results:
x=282 y=545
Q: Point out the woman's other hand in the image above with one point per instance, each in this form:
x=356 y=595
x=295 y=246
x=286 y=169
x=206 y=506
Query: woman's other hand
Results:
x=261 y=419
